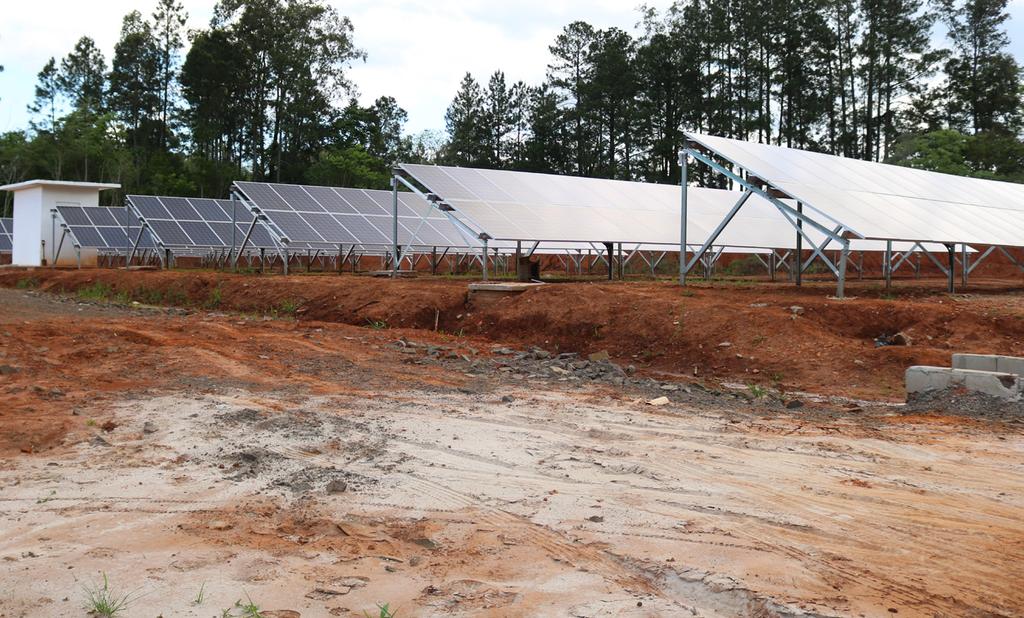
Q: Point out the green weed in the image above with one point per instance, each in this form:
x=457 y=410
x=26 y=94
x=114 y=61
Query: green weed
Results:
x=384 y=611
x=377 y=324
x=201 y=596
x=757 y=391
x=214 y=299
x=97 y=291
x=288 y=306
x=100 y=600
x=27 y=283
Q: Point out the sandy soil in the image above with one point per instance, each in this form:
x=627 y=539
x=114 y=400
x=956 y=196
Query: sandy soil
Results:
x=319 y=469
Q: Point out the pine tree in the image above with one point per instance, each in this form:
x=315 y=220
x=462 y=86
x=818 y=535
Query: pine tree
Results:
x=465 y=122
x=983 y=78
x=82 y=76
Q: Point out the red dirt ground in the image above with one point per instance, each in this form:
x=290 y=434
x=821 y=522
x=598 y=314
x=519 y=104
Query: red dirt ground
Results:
x=827 y=348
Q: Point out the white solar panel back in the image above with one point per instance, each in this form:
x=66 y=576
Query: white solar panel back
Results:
x=526 y=206
x=880 y=201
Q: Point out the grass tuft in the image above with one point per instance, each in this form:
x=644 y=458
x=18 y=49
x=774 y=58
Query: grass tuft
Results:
x=383 y=611
x=102 y=601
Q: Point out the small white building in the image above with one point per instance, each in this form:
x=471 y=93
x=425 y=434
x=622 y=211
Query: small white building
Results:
x=35 y=237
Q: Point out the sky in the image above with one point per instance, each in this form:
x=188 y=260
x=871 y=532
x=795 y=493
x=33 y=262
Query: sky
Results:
x=417 y=50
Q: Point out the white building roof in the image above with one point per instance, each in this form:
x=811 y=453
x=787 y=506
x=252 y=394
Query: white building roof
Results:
x=64 y=184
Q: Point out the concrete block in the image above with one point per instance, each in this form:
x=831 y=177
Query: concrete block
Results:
x=921 y=379
x=989 y=362
x=977 y=362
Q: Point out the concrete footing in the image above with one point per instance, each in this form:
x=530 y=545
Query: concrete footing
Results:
x=488 y=292
x=1001 y=377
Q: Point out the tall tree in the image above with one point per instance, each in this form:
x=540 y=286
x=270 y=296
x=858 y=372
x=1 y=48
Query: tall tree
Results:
x=168 y=31
x=82 y=76
x=983 y=78
x=465 y=121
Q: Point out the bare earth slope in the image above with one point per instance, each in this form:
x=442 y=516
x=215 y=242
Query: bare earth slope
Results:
x=319 y=469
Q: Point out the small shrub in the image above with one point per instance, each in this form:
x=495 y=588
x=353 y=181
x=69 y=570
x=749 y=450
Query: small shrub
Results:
x=97 y=291
x=288 y=306
x=377 y=324
x=28 y=283
x=757 y=391
x=214 y=299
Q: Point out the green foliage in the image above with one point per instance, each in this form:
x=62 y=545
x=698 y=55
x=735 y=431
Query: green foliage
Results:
x=101 y=601
x=757 y=391
x=383 y=611
x=377 y=324
x=214 y=298
x=27 y=283
x=98 y=291
x=288 y=306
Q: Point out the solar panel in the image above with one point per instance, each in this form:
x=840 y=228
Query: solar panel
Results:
x=198 y=223
x=875 y=200
x=99 y=227
x=320 y=217
x=6 y=235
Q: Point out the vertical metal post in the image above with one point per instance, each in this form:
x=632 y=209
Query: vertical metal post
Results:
x=287 y=259
x=263 y=253
x=128 y=235
x=952 y=264
x=234 y=230
x=610 y=252
x=622 y=265
x=860 y=266
x=964 y=264
x=843 y=258
x=433 y=260
x=887 y=265
x=771 y=264
x=798 y=263
x=683 y=160
x=484 y=261
x=394 y=228
x=53 y=238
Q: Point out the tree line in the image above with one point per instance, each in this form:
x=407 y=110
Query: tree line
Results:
x=858 y=78
x=263 y=93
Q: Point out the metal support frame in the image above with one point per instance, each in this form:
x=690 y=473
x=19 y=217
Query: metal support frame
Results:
x=683 y=164
x=795 y=216
x=951 y=248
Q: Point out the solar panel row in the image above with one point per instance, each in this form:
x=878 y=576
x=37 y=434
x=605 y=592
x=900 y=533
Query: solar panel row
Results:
x=319 y=217
x=190 y=223
x=880 y=201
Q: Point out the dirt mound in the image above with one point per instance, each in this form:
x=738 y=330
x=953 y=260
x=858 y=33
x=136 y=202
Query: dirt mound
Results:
x=774 y=335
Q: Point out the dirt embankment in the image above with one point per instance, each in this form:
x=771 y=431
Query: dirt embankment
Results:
x=792 y=339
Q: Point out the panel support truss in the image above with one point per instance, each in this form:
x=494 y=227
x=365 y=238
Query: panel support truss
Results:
x=796 y=218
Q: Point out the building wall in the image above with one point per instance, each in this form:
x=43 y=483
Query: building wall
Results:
x=28 y=229
x=36 y=235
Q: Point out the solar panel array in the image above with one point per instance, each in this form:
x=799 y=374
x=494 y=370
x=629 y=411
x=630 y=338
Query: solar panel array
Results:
x=6 y=235
x=875 y=200
x=100 y=227
x=528 y=206
x=325 y=217
x=198 y=223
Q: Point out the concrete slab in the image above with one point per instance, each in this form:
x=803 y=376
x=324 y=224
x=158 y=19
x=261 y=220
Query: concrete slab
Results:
x=486 y=292
x=922 y=379
x=989 y=362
